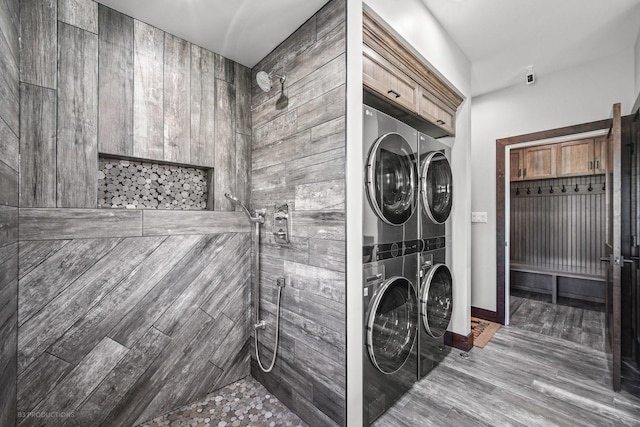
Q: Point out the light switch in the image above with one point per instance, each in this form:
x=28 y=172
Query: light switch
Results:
x=478 y=217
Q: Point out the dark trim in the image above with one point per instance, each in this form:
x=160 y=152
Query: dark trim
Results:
x=461 y=342
x=481 y=313
x=636 y=107
x=501 y=144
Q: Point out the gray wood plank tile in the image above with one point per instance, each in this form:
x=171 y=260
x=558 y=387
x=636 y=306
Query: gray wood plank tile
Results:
x=77 y=145
x=287 y=149
x=328 y=136
x=319 y=225
x=330 y=16
x=329 y=254
x=9 y=22
x=243 y=99
x=8 y=225
x=79 y=13
x=123 y=376
x=82 y=380
x=274 y=130
x=321 y=196
x=50 y=323
x=89 y=330
x=203 y=104
x=38 y=62
x=9 y=195
x=322 y=80
x=115 y=90
x=38 y=147
x=162 y=223
x=50 y=278
x=35 y=383
x=143 y=315
x=177 y=125
x=33 y=253
x=225 y=161
x=243 y=168
x=324 y=108
x=148 y=92
x=44 y=224
x=9 y=87
x=224 y=69
x=9 y=146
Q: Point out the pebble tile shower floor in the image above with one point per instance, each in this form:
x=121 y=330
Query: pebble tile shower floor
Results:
x=243 y=403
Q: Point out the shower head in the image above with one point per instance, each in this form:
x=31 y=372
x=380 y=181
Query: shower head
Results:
x=233 y=199
x=264 y=80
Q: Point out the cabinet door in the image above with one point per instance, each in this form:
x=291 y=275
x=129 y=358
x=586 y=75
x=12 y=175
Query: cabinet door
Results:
x=432 y=110
x=575 y=158
x=540 y=162
x=386 y=79
x=515 y=165
x=600 y=159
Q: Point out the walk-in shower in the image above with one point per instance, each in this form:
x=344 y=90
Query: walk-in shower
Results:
x=265 y=81
x=257 y=218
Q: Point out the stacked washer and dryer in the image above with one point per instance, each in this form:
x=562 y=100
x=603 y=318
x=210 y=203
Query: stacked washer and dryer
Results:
x=407 y=287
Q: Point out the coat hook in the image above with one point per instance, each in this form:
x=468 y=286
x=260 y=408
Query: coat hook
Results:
x=539 y=190
x=590 y=187
x=576 y=189
x=517 y=191
x=528 y=190
x=564 y=190
x=551 y=189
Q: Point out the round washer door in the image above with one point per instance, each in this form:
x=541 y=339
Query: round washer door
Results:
x=391 y=179
x=392 y=324
x=436 y=300
x=437 y=187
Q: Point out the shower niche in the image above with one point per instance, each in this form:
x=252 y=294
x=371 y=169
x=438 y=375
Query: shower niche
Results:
x=143 y=184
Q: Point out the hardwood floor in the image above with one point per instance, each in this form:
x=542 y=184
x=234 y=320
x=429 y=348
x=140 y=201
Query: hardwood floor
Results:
x=523 y=377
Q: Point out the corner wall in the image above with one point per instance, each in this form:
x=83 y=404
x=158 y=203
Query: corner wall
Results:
x=9 y=167
x=578 y=95
x=415 y=24
x=125 y=314
x=637 y=67
x=298 y=158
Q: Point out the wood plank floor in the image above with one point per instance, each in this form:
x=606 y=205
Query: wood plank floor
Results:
x=523 y=377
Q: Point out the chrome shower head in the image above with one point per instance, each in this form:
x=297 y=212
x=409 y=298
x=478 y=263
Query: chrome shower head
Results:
x=233 y=199
x=264 y=80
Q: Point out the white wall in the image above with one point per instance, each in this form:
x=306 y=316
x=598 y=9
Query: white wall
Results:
x=413 y=22
x=637 y=69
x=579 y=95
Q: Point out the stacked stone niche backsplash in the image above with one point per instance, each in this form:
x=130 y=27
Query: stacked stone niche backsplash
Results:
x=144 y=185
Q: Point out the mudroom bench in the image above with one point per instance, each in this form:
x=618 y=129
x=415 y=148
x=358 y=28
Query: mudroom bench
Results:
x=571 y=282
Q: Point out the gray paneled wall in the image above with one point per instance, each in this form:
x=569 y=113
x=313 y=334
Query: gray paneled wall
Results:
x=9 y=167
x=99 y=81
x=298 y=158
x=559 y=230
x=119 y=330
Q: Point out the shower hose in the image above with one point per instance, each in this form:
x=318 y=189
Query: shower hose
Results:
x=256 y=289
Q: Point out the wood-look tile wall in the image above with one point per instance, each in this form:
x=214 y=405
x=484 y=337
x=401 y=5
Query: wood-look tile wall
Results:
x=9 y=166
x=95 y=80
x=123 y=315
x=298 y=156
x=119 y=330
x=559 y=230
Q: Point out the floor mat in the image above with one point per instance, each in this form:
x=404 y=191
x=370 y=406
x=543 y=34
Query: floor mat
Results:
x=483 y=331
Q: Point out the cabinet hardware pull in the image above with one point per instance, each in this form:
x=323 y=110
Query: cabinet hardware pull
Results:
x=597 y=164
x=590 y=165
x=525 y=172
x=440 y=122
x=519 y=172
x=393 y=92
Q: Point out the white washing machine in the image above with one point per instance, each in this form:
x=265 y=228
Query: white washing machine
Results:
x=435 y=290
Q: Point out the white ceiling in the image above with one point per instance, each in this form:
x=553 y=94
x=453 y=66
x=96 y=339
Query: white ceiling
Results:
x=242 y=30
x=502 y=37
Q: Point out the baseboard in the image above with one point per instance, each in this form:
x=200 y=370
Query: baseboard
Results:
x=461 y=342
x=483 y=314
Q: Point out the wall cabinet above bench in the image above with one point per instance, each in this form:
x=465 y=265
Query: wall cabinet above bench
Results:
x=401 y=84
x=572 y=158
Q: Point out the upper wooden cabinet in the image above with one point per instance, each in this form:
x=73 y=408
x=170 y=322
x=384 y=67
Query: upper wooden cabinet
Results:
x=410 y=89
x=575 y=158
x=516 y=165
x=572 y=158
x=539 y=162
